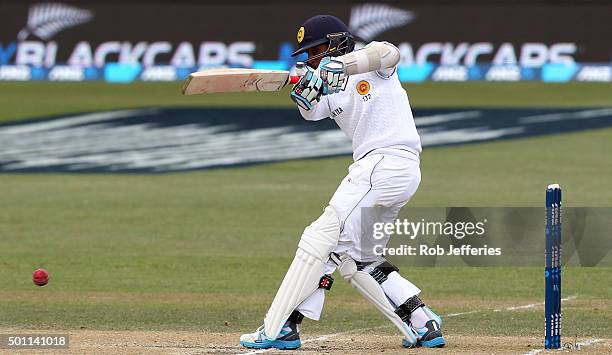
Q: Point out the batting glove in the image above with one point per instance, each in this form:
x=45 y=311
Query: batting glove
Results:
x=332 y=72
x=307 y=92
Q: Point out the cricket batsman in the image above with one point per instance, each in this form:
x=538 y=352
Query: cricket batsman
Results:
x=360 y=90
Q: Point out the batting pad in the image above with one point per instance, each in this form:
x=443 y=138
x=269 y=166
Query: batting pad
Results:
x=369 y=288
x=302 y=278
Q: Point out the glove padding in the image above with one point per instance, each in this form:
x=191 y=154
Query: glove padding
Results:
x=333 y=74
x=307 y=92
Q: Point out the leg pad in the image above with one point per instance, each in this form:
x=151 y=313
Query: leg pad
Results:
x=304 y=274
x=369 y=288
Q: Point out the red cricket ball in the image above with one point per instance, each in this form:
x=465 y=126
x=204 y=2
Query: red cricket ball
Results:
x=40 y=277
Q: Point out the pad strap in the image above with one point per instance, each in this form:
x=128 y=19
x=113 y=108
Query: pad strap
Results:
x=379 y=270
x=296 y=317
x=405 y=310
x=326 y=282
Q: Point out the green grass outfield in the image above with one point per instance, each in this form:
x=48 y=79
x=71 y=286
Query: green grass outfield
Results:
x=206 y=250
x=25 y=100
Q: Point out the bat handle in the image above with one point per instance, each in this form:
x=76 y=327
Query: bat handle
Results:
x=293 y=79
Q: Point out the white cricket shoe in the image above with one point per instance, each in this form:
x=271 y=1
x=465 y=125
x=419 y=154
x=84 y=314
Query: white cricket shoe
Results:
x=289 y=338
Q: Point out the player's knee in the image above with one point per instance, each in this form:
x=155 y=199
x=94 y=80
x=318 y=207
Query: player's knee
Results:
x=322 y=235
x=379 y=270
x=346 y=266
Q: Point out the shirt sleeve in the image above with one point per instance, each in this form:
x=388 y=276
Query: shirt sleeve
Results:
x=386 y=73
x=319 y=111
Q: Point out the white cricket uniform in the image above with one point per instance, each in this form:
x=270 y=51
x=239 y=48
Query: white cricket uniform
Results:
x=374 y=112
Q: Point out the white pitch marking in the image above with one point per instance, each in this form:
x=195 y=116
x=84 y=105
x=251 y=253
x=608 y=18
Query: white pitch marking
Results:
x=329 y=336
x=320 y=338
x=460 y=313
x=569 y=298
x=578 y=346
x=588 y=342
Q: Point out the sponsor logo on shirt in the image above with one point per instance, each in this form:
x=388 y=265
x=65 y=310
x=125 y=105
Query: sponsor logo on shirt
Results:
x=337 y=111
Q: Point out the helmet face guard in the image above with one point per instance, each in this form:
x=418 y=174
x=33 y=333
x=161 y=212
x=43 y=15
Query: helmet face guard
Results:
x=324 y=30
x=339 y=43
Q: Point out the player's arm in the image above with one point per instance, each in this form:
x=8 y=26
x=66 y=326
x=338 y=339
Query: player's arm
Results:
x=318 y=112
x=376 y=56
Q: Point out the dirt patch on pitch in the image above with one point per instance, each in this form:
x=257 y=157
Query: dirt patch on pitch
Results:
x=170 y=342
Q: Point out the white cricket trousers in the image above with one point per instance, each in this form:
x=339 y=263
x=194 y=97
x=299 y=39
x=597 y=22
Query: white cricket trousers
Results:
x=382 y=181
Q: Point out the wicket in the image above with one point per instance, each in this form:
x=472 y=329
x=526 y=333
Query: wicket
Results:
x=552 y=271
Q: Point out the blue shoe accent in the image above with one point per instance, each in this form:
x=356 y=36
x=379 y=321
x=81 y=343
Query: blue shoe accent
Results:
x=430 y=336
x=438 y=342
x=278 y=344
x=287 y=344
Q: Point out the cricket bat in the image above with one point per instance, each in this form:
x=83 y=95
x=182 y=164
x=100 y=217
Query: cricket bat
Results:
x=237 y=80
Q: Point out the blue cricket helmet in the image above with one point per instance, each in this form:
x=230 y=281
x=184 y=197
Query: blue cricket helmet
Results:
x=321 y=29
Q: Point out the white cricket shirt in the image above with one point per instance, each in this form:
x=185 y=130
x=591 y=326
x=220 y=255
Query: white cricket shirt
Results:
x=373 y=111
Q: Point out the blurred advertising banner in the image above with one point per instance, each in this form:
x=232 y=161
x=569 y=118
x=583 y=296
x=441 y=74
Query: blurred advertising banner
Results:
x=146 y=40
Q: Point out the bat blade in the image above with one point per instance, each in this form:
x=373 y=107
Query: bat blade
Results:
x=236 y=80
